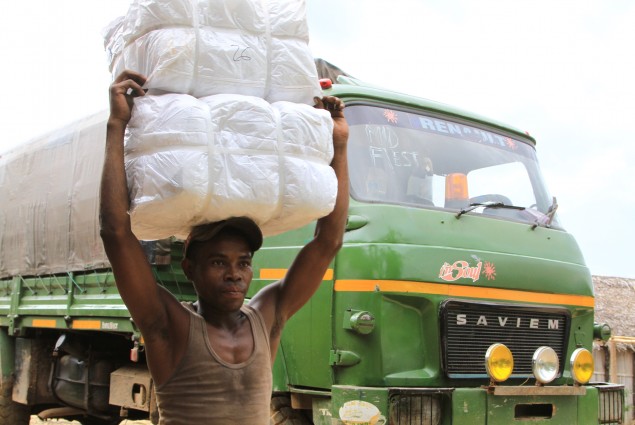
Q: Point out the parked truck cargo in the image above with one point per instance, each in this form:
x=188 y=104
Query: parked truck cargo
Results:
x=457 y=297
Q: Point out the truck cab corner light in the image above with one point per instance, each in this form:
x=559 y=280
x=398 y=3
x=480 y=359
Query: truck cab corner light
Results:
x=545 y=365
x=581 y=366
x=499 y=362
x=325 y=83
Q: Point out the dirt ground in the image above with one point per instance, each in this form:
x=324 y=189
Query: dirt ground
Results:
x=36 y=421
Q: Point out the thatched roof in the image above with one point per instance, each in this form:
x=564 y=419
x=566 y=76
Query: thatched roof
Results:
x=615 y=304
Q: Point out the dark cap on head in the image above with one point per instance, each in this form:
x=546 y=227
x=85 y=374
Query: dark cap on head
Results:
x=246 y=226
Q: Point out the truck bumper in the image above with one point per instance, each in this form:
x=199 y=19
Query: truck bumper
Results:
x=592 y=404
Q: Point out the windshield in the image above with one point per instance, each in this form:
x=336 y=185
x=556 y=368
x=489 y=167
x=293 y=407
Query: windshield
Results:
x=405 y=158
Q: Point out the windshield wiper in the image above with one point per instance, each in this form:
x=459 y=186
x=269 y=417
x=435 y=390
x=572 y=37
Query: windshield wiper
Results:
x=490 y=204
x=551 y=212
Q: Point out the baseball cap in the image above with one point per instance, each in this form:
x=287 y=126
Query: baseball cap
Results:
x=246 y=226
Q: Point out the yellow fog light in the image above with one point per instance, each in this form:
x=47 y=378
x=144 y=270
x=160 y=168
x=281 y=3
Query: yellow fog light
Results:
x=581 y=365
x=545 y=364
x=499 y=362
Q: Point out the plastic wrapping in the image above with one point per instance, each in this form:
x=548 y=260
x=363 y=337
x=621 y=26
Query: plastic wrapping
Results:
x=190 y=161
x=49 y=193
x=206 y=47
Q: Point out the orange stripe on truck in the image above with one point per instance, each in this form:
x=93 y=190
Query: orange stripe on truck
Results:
x=44 y=323
x=462 y=291
x=86 y=324
x=277 y=274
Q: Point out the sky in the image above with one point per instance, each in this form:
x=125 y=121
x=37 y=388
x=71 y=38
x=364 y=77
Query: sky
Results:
x=564 y=71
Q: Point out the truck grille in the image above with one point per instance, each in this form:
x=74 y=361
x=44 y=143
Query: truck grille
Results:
x=468 y=329
x=416 y=407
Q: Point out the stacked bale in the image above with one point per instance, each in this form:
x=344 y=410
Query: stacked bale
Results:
x=226 y=128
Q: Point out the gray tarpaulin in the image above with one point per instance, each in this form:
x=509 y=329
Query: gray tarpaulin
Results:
x=49 y=201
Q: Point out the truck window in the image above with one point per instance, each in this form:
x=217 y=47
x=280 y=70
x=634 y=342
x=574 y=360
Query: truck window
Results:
x=407 y=158
x=510 y=178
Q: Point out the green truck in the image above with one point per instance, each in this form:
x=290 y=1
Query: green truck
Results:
x=457 y=297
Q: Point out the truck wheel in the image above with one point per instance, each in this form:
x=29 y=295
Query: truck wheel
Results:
x=283 y=414
x=10 y=411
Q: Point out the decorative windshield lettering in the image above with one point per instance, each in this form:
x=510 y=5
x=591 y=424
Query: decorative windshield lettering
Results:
x=393 y=157
x=385 y=149
x=401 y=119
x=442 y=126
x=437 y=125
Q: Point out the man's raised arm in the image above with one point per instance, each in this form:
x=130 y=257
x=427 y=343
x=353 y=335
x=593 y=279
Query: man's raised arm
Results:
x=280 y=301
x=149 y=305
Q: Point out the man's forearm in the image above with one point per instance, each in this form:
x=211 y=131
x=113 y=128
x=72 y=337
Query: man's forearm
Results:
x=331 y=227
x=114 y=202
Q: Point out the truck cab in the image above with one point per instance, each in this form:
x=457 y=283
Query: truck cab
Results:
x=457 y=296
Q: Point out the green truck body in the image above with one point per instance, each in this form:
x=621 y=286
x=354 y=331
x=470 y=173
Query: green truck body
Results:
x=452 y=245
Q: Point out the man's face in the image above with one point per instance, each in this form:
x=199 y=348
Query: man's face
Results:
x=221 y=271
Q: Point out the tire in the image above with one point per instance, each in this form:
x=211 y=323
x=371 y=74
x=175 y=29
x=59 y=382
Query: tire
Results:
x=281 y=412
x=11 y=412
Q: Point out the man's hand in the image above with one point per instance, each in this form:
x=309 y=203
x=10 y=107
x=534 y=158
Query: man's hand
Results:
x=335 y=107
x=126 y=86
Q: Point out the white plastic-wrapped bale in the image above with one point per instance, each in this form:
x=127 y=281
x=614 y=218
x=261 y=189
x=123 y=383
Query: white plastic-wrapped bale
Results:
x=190 y=161
x=205 y=47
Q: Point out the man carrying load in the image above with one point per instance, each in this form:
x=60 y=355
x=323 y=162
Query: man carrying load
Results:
x=211 y=363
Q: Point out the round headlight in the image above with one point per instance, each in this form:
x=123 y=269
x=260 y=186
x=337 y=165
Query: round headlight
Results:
x=499 y=362
x=582 y=365
x=545 y=364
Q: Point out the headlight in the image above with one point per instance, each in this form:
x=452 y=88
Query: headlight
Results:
x=545 y=364
x=499 y=362
x=581 y=365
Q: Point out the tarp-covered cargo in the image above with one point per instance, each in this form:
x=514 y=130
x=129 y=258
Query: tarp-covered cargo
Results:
x=49 y=193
